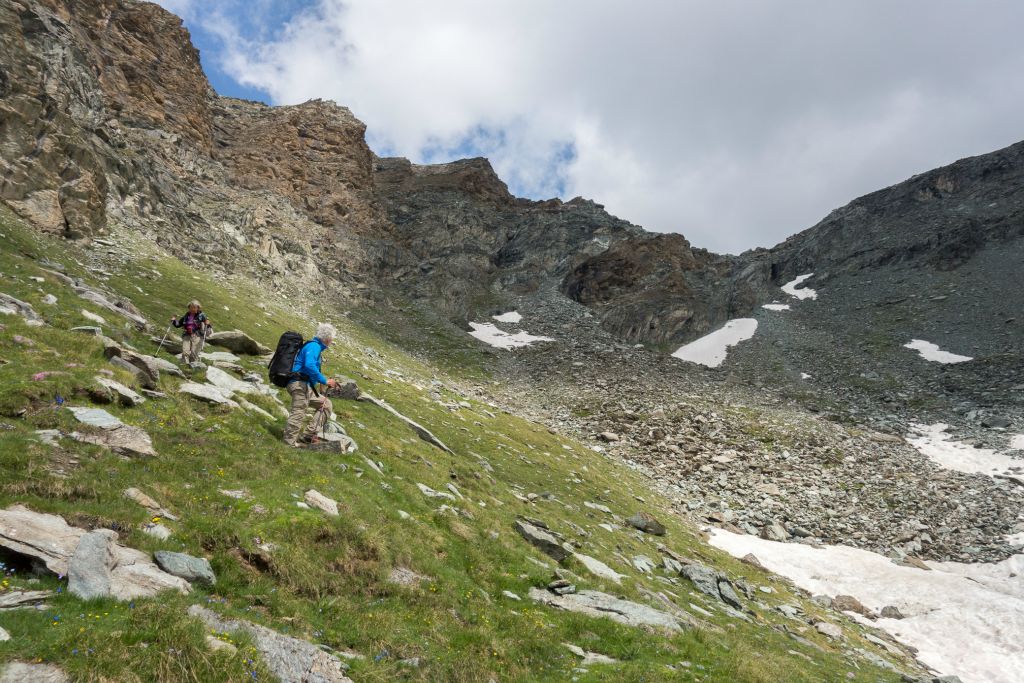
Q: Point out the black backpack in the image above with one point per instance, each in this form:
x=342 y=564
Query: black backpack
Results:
x=288 y=346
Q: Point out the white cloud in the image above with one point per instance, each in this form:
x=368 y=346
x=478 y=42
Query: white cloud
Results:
x=732 y=122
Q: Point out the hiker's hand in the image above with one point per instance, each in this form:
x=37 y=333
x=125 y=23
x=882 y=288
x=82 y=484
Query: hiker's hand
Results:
x=331 y=383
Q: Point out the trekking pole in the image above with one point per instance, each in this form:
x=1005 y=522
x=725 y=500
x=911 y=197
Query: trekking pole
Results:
x=164 y=339
x=202 y=343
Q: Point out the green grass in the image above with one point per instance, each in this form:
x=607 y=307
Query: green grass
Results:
x=325 y=581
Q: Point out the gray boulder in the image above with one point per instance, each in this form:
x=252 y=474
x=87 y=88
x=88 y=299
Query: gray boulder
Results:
x=192 y=569
x=542 y=539
x=237 y=341
x=113 y=390
x=646 y=523
x=112 y=433
x=89 y=571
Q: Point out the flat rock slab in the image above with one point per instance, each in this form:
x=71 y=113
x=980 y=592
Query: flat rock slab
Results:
x=208 y=393
x=114 y=434
x=54 y=542
x=192 y=569
x=20 y=599
x=24 y=672
x=12 y=306
x=238 y=342
x=219 y=357
x=599 y=568
x=321 y=502
x=291 y=660
x=122 y=308
x=95 y=417
x=597 y=604
x=229 y=384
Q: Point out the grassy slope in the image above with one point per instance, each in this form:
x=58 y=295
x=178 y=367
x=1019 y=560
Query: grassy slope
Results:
x=326 y=581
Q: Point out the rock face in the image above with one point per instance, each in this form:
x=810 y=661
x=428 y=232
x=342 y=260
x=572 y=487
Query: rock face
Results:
x=291 y=660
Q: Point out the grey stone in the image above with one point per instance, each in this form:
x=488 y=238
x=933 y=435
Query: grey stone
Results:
x=775 y=532
x=89 y=571
x=289 y=659
x=4 y=635
x=89 y=330
x=599 y=568
x=318 y=500
x=124 y=395
x=207 y=393
x=421 y=431
x=24 y=672
x=542 y=539
x=589 y=658
x=17 y=599
x=891 y=612
x=830 y=630
x=646 y=523
x=597 y=604
x=192 y=569
x=113 y=434
x=237 y=342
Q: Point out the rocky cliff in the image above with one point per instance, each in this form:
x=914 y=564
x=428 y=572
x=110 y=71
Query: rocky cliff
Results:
x=109 y=126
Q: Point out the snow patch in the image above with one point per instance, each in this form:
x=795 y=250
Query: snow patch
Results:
x=711 y=349
x=490 y=334
x=804 y=375
x=805 y=293
x=1017 y=443
x=933 y=442
x=932 y=352
x=776 y=307
x=510 y=317
x=964 y=619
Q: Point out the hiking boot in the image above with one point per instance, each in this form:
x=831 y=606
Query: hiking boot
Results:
x=311 y=440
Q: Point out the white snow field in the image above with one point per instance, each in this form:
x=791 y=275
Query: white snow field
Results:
x=805 y=293
x=965 y=620
x=934 y=442
x=1017 y=443
x=776 y=307
x=510 y=317
x=711 y=349
x=490 y=334
x=932 y=352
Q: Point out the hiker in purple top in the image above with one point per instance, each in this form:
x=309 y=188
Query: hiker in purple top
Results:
x=195 y=327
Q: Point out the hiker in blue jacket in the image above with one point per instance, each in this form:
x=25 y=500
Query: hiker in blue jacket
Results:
x=307 y=368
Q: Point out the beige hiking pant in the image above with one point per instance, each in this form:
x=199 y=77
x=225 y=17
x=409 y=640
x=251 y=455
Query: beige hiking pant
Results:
x=190 y=348
x=302 y=398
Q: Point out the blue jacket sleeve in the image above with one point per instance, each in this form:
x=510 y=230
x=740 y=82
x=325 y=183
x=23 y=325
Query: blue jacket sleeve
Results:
x=309 y=361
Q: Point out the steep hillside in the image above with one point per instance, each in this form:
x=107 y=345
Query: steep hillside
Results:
x=422 y=575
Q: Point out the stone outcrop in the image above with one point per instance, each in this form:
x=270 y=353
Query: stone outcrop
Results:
x=96 y=565
x=597 y=604
x=291 y=660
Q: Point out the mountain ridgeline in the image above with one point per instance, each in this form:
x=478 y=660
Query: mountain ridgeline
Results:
x=111 y=125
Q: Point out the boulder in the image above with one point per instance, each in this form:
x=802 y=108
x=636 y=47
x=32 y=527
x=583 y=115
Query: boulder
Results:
x=542 y=539
x=89 y=330
x=830 y=630
x=597 y=604
x=89 y=571
x=114 y=390
x=891 y=612
x=229 y=384
x=192 y=569
x=291 y=660
x=646 y=523
x=347 y=389
x=11 y=306
x=220 y=357
x=237 y=342
x=318 y=500
x=712 y=582
x=848 y=603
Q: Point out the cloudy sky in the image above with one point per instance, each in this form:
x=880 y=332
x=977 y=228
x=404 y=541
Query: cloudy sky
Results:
x=734 y=122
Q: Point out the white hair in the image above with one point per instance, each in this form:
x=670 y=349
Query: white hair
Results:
x=325 y=332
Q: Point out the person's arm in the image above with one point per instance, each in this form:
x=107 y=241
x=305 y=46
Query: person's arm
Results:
x=177 y=321
x=310 y=369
